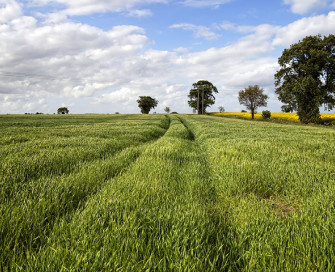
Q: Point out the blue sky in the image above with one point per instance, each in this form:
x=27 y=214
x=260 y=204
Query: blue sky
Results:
x=99 y=55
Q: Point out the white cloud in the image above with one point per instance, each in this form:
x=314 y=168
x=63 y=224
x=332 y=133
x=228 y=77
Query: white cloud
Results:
x=66 y=59
x=9 y=10
x=198 y=31
x=79 y=7
x=140 y=13
x=292 y=33
x=227 y=26
x=205 y=3
x=106 y=71
x=305 y=6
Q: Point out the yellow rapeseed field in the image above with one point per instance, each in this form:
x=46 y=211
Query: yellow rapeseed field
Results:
x=330 y=117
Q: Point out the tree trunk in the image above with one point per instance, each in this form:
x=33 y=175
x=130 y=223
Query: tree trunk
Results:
x=198 y=101
x=252 y=113
x=203 y=101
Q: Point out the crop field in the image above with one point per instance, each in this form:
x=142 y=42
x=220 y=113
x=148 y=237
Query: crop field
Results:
x=285 y=116
x=165 y=193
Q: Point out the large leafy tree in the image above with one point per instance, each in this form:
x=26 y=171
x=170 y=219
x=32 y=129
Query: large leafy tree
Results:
x=200 y=88
x=306 y=79
x=63 y=110
x=146 y=103
x=252 y=97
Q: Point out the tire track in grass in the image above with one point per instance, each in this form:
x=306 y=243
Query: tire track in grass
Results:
x=32 y=161
x=156 y=216
x=27 y=220
x=190 y=132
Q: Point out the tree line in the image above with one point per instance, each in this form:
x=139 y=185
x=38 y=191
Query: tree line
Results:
x=304 y=83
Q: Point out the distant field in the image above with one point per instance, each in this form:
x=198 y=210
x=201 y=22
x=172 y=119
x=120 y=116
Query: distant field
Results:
x=328 y=117
x=165 y=193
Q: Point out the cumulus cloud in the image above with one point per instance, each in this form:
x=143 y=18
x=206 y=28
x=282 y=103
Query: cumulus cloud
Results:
x=77 y=64
x=9 y=10
x=322 y=24
x=198 y=31
x=304 y=6
x=66 y=59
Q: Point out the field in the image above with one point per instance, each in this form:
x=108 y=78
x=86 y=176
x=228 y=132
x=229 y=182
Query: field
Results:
x=165 y=193
x=279 y=116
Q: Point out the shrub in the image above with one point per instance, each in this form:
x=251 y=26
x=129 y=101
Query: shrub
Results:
x=266 y=114
x=243 y=111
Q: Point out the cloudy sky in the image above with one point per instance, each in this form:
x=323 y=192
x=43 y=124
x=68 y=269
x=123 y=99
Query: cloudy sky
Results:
x=99 y=56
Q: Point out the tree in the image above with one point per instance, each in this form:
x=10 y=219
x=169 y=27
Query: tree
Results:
x=146 y=103
x=306 y=79
x=221 y=109
x=63 y=110
x=167 y=109
x=286 y=108
x=252 y=97
x=201 y=96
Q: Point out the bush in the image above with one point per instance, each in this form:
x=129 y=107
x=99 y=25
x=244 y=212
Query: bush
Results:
x=266 y=114
x=243 y=111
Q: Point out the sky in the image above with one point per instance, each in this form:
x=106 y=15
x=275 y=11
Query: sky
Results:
x=99 y=56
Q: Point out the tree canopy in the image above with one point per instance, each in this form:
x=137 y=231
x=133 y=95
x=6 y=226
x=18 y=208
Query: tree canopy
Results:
x=146 y=103
x=253 y=97
x=63 y=110
x=221 y=109
x=306 y=79
x=202 y=86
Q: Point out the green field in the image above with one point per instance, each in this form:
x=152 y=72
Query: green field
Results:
x=165 y=193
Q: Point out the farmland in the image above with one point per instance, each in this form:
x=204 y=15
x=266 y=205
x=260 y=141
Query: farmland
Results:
x=328 y=118
x=165 y=193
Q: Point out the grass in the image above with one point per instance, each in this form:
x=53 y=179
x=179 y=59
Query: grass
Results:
x=165 y=193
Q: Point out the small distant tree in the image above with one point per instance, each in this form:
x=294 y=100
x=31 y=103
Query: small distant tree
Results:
x=146 y=103
x=253 y=97
x=167 y=109
x=266 y=114
x=221 y=109
x=63 y=110
x=196 y=100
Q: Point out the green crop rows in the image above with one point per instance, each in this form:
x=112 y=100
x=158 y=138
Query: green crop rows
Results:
x=165 y=193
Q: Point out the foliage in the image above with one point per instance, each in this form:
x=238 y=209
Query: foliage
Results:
x=146 y=103
x=63 y=110
x=266 y=114
x=167 y=109
x=286 y=108
x=243 y=111
x=253 y=97
x=200 y=87
x=221 y=109
x=306 y=79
